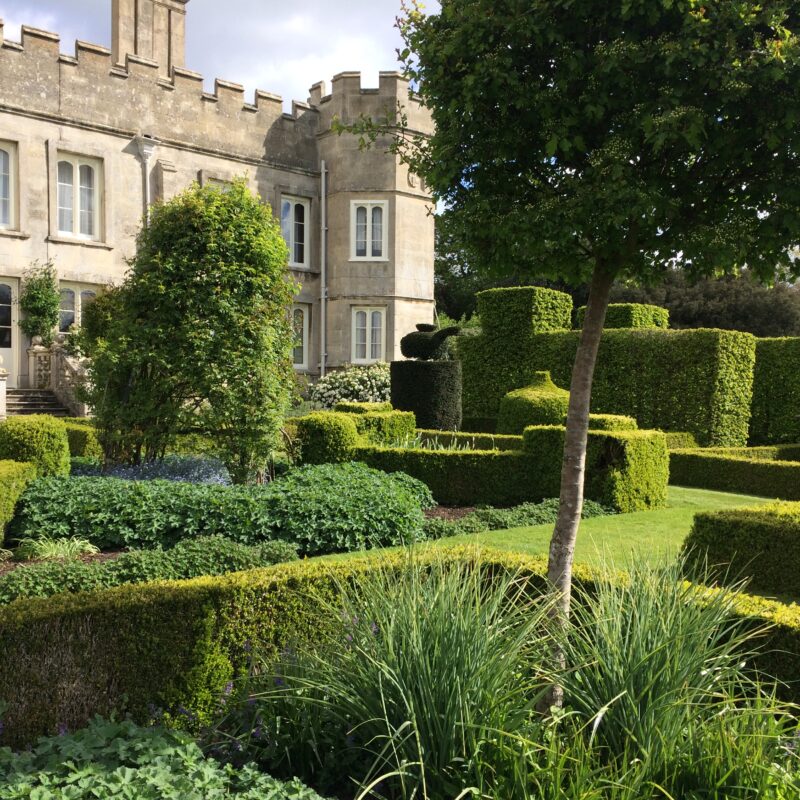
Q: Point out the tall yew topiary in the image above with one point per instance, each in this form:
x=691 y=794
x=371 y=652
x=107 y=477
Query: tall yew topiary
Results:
x=201 y=342
x=608 y=140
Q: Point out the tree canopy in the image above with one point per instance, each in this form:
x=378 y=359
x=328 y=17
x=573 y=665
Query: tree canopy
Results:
x=609 y=140
x=199 y=340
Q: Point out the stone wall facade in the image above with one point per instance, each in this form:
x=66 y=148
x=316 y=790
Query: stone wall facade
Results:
x=130 y=129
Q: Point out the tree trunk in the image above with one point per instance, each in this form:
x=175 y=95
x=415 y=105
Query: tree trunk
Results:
x=573 y=467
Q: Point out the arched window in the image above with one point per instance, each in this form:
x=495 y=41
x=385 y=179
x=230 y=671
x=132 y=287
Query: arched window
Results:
x=294 y=226
x=66 y=197
x=5 y=188
x=377 y=231
x=368 y=335
x=87 y=200
x=368 y=235
x=300 y=324
x=67 y=313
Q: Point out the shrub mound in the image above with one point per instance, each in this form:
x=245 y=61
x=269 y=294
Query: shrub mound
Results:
x=539 y=403
x=38 y=439
x=320 y=509
x=191 y=558
x=761 y=545
x=14 y=477
x=82 y=437
x=370 y=384
x=121 y=761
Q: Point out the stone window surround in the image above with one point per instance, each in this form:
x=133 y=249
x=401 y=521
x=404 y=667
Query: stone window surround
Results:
x=19 y=188
x=105 y=205
x=354 y=309
x=78 y=289
x=369 y=203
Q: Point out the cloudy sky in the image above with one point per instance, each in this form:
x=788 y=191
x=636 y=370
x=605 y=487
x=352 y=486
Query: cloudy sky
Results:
x=281 y=47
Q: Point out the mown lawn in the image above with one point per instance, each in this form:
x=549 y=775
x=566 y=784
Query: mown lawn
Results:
x=651 y=535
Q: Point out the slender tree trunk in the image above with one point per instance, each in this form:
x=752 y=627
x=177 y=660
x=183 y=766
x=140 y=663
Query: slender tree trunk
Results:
x=573 y=467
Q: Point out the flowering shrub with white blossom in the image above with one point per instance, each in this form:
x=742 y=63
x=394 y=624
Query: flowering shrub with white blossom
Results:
x=369 y=384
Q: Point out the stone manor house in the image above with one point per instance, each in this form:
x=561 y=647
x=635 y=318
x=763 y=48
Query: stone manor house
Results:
x=89 y=140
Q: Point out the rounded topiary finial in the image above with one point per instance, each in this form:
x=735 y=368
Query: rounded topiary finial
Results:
x=540 y=403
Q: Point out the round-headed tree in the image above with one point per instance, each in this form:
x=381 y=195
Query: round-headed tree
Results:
x=605 y=139
x=201 y=340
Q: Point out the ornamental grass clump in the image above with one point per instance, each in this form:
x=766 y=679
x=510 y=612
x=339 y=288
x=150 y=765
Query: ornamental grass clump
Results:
x=424 y=682
x=418 y=688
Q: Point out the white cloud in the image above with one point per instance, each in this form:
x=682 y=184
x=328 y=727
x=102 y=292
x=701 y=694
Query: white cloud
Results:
x=281 y=48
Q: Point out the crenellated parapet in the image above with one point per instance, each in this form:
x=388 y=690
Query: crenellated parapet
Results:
x=89 y=88
x=349 y=100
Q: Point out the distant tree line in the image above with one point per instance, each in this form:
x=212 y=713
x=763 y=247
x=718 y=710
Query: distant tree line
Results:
x=730 y=302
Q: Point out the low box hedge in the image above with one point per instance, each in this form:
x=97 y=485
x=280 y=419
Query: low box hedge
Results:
x=14 y=478
x=760 y=544
x=83 y=441
x=37 y=439
x=626 y=470
x=176 y=645
x=741 y=470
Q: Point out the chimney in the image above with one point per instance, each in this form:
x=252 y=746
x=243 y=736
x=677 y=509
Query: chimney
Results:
x=153 y=29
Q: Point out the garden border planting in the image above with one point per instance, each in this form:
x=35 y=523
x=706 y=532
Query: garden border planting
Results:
x=176 y=645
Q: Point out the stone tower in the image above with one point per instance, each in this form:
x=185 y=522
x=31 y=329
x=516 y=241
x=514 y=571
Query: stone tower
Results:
x=151 y=29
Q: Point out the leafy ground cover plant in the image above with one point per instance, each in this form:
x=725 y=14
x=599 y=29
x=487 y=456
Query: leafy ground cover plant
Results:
x=370 y=384
x=207 y=555
x=320 y=509
x=121 y=761
x=185 y=468
x=497 y=519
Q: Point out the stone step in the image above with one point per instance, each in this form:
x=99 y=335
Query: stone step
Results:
x=23 y=402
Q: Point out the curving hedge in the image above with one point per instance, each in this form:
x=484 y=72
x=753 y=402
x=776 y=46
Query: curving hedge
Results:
x=759 y=544
x=695 y=381
x=172 y=645
x=630 y=315
x=741 y=470
x=776 y=392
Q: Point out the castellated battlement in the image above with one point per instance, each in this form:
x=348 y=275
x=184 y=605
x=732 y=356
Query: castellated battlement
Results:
x=348 y=100
x=89 y=89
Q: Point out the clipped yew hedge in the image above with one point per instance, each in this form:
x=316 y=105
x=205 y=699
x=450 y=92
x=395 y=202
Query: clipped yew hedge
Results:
x=757 y=471
x=176 y=645
x=523 y=310
x=630 y=315
x=776 y=392
x=761 y=545
x=694 y=381
x=625 y=470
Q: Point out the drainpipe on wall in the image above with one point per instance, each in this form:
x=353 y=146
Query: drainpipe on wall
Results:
x=147 y=146
x=323 y=297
